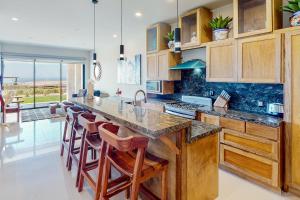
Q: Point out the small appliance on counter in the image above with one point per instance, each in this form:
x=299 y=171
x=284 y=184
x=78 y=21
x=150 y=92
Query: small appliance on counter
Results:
x=276 y=109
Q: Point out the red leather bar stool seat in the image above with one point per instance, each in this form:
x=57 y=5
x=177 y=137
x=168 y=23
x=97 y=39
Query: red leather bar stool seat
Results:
x=129 y=157
x=94 y=141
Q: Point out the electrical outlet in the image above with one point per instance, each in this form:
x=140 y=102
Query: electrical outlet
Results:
x=260 y=103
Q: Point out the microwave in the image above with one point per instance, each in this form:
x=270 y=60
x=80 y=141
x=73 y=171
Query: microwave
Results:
x=154 y=87
x=160 y=87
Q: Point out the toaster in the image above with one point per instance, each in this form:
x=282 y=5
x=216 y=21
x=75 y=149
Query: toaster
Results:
x=276 y=109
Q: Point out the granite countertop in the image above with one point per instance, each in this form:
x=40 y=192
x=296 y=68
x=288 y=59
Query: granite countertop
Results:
x=261 y=119
x=150 y=123
x=200 y=130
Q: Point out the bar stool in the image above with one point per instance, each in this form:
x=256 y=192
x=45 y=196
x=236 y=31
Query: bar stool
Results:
x=94 y=141
x=90 y=128
x=75 y=135
x=129 y=157
x=65 y=105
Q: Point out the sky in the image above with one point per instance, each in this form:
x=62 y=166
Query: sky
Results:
x=24 y=71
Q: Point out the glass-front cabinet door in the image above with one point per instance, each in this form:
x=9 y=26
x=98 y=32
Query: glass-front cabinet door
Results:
x=156 y=37
x=253 y=17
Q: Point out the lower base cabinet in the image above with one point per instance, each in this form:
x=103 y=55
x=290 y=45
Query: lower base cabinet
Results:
x=250 y=165
x=250 y=150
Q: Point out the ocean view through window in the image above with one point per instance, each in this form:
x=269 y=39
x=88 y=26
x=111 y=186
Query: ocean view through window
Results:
x=38 y=83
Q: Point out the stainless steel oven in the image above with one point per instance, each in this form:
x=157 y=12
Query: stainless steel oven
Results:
x=154 y=87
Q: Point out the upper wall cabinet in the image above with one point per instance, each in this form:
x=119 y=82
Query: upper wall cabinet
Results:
x=194 y=28
x=158 y=65
x=253 y=17
x=221 y=60
x=260 y=59
x=156 y=35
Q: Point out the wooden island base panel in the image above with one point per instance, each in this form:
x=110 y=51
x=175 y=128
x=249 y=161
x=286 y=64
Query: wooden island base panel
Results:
x=190 y=147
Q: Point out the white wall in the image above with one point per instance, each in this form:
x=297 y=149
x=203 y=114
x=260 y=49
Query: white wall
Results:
x=135 y=43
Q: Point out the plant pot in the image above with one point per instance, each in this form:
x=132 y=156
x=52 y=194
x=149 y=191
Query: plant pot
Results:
x=221 y=34
x=171 y=45
x=295 y=19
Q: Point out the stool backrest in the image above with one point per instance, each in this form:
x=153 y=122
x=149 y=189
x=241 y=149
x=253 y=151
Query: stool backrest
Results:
x=74 y=111
x=127 y=144
x=88 y=122
x=66 y=105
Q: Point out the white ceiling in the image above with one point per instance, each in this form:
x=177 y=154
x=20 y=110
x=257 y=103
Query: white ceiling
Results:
x=68 y=23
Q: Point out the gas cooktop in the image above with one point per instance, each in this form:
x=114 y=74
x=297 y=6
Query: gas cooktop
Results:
x=188 y=106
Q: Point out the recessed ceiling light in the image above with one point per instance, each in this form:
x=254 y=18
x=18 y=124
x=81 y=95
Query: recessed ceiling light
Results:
x=15 y=19
x=115 y=35
x=138 y=14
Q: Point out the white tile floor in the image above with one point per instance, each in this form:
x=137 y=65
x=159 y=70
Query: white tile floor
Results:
x=31 y=168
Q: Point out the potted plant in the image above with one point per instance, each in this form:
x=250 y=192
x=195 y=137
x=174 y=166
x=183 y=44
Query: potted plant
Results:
x=170 y=37
x=293 y=7
x=220 y=27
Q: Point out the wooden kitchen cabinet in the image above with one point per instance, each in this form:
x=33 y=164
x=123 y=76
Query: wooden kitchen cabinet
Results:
x=252 y=151
x=152 y=67
x=292 y=110
x=156 y=37
x=158 y=65
x=165 y=60
x=210 y=119
x=233 y=124
x=221 y=61
x=260 y=59
x=250 y=165
x=194 y=28
x=257 y=145
x=252 y=17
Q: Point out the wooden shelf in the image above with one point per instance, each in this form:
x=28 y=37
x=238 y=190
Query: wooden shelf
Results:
x=194 y=28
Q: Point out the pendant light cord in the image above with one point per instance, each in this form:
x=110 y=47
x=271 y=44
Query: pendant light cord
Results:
x=177 y=15
x=94 y=27
x=121 y=22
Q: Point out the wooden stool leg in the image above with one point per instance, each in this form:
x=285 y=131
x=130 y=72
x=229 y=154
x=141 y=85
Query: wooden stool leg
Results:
x=137 y=173
x=106 y=171
x=71 y=148
x=80 y=157
x=127 y=193
x=101 y=163
x=18 y=116
x=83 y=165
x=64 y=138
x=164 y=184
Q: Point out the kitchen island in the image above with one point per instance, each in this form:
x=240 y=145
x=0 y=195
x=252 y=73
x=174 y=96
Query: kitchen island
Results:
x=190 y=147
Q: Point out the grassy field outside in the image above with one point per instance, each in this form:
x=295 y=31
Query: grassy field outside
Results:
x=45 y=91
x=42 y=99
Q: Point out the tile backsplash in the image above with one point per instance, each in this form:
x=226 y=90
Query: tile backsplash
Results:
x=244 y=96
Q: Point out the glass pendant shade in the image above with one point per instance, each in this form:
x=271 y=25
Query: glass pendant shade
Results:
x=177 y=40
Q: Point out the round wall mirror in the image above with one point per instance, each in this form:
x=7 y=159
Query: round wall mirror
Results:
x=97 y=71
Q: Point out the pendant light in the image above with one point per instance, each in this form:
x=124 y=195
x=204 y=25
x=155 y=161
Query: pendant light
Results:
x=177 y=38
x=122 y=46
x=94 y=54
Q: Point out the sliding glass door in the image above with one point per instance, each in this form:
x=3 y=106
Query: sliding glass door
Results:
x=18 y=80
x=40 y=83
x=47 y=83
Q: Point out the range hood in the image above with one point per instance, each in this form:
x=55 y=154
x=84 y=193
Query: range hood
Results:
x=191 y=64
